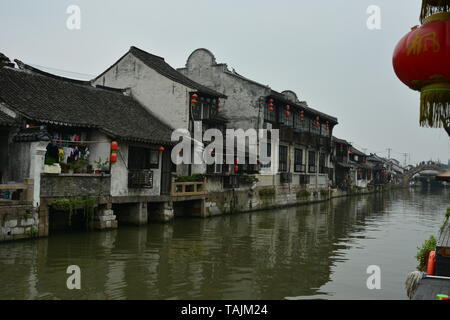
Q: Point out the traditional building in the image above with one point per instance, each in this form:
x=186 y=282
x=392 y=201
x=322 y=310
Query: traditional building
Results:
x=167 y=94
x=302 y=156
x=59 y=130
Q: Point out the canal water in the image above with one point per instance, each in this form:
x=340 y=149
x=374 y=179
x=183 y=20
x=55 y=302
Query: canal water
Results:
x=319 y=251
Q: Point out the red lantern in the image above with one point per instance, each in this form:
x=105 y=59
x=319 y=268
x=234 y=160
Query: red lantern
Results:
x=114 y=146
x=288 y=107
x=194 y=100
x=161 y=148
x=236 y=169
x=113 y=157
x=422 y=62
x=287 y=113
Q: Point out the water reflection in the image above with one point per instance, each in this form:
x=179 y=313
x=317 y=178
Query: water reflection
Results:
x=308 y=251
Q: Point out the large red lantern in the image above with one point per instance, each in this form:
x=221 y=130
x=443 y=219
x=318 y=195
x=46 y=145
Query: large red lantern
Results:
x=422 y=61
x=113 y=157
x=114 y=146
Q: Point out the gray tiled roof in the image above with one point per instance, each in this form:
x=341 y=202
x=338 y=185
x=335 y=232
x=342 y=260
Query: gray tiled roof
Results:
x=161 y=66
x=45 y=98
x=6 y=120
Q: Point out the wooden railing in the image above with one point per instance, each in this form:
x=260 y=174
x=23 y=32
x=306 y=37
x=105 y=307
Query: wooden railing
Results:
x=183 y=189
x=27 y=191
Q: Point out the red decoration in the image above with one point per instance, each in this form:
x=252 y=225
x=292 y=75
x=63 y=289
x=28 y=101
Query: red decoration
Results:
x=422 y=62
x=114 y=146
x=113 y=157
x=287 y=107
x=161 y=148
x=302 y=115
x=287 y=113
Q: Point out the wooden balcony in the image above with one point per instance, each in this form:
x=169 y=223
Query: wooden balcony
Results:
x=185 y=189
x=17 y=194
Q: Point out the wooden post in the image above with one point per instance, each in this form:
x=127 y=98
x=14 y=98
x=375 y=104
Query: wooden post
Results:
x=30 y=189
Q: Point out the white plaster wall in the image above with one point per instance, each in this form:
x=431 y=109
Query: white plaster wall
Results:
x=101 y=149
x=166 y=99
x=119 y=177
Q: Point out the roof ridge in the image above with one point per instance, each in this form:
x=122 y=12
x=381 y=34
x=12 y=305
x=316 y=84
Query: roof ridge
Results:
x=26 y=67
x=143 y=51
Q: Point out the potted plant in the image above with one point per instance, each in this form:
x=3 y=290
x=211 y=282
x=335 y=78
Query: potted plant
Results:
x=64 y=167
x=102 y=166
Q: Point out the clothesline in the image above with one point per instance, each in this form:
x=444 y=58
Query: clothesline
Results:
x=81 y=142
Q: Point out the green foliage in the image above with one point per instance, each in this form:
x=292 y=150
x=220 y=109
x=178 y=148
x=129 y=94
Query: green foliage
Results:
x=248 y=179
x=100 y=165
x=423 y=252
x=193 y=178
x=50 y=161
x=266 y=192
x=87 y=205
x=303 y=193
x=446 y=219
x=324 y=193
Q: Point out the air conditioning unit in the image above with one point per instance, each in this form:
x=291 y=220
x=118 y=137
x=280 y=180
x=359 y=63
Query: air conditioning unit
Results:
x=140 y=179
x=286 y=177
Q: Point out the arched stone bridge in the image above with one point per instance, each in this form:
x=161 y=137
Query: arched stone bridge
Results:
x=407 y=176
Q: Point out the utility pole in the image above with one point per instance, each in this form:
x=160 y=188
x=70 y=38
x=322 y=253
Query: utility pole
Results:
x=389 y=152
x=405 y=155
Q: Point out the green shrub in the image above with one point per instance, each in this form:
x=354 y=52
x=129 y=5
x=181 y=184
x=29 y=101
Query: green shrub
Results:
x=266 y=193
x=248 y=179
x=303 y=193
x=423 y=252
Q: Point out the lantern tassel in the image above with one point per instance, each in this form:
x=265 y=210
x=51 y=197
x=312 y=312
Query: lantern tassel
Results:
x=435 y=105
x=430 y=7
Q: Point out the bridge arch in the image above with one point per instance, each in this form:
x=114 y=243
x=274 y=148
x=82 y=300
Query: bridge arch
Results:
x=407 y=176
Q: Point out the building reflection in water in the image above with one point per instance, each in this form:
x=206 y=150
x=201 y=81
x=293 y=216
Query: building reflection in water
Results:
x=262 y=255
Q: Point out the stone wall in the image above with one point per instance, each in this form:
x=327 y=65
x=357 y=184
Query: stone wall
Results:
x=262 y=198
x=20 y=222
x=75 y=185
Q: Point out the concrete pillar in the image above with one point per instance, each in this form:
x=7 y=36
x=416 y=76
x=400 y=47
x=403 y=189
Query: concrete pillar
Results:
x=38 y=150
x=43 y=220
x=162 y=212
x=105 y=219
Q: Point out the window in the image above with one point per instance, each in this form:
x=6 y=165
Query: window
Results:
x=312 y=162
x=270 y=115
x=298 y=161
x=142 y=158
x=286 y=120
x=205 y=108
x=283 y=163
x=314 y=129
x=299 y=125
x=325 y=130
x=322 y=165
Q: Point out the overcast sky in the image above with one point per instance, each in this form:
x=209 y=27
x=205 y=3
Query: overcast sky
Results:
x=322 y=50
